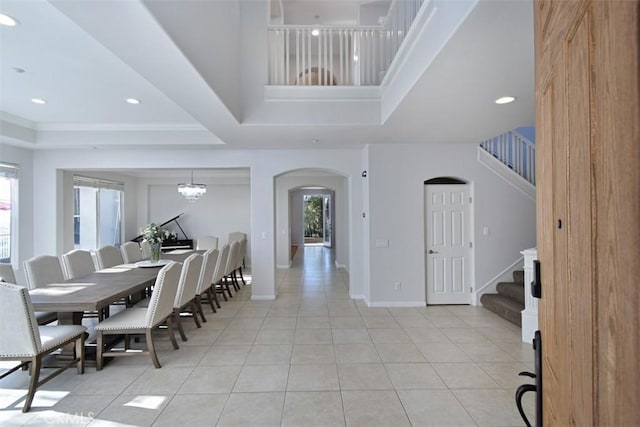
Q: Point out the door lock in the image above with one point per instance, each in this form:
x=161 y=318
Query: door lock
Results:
x=431 y=251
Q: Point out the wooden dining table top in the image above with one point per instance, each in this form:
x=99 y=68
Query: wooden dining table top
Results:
x=95 y=291
x=101 y=288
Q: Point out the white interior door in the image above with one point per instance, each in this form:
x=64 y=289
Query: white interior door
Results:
x=448 y=244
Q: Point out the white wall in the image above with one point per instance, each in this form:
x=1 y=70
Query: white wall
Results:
x=24 y=159
x=264 y=167
x=223 y=209
x=396 y=178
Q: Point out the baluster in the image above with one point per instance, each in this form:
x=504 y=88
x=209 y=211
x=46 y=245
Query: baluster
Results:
x=331 y=32
x=309 y=37
x=325 y=64
x=319 y=40
x=287 y=42
x=297 y=55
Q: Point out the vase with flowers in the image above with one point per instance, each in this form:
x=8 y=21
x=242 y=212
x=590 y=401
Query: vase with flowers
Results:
x=155 y=235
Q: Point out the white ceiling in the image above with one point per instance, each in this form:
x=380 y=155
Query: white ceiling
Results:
x=198 y=89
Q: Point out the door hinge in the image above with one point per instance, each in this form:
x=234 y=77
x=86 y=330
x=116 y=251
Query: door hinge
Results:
x=470 y=199
x=471 y=244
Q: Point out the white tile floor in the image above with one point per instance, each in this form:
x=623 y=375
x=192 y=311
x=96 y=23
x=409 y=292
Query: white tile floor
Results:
x=312 y=357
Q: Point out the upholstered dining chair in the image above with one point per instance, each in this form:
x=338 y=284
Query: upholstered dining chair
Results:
x=240 y=259
x=145 y=247
x=236 y=235
x=143 y=320
x=205 y=282
x=107 y=256
x=43 y=270
x=219 y=285
x=131 y=252
x=7 y=275
x=230 y=269
x=23 y=340
x=187 y=288
x=78 y=263
x=206 y=242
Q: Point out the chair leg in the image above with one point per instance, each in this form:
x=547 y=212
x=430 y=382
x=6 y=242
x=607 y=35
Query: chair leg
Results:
x=234 y=281
x=199 y=306
x=176 y=316
x=100 y=350
x=241 y=276
x=171 y=333
x=221 y=284
x=36 y=364
x=215 y=296
x=194 y=312
x=127 y=342
x=80 y=354
x=210 y=298
x=152 y=349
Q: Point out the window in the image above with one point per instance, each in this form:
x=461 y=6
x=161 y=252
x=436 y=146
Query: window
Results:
x=8 y=213
x=97 y=212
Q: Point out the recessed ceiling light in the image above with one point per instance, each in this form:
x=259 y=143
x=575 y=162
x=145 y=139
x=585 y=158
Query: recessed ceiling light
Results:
x=315 y=32
x=315 y=140
x=133 y=101
x=505 y=100
x=38 y=101
x=7 y=20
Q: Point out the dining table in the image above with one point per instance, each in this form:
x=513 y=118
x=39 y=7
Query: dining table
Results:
x=71 y=298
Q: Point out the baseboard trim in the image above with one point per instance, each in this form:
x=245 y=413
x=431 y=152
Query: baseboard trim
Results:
x=342 y=266
x=263 y=297
x=358 y=297
x=396 y=304
x=284 y=267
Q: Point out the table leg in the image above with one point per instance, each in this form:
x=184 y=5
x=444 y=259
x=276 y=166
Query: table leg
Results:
x=74 y=318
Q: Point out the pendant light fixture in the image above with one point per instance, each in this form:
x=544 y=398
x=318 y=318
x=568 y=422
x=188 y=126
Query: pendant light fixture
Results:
x=192 y=191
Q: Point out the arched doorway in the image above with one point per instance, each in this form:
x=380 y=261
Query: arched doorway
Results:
x=290 y=191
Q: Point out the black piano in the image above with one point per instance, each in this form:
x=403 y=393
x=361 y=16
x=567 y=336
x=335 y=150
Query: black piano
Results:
x=171 y=244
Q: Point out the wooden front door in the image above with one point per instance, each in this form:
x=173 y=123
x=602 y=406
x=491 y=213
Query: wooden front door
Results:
x=588 y=202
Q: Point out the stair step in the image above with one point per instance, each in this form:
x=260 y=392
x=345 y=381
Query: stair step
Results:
x=504 y=307
x=515 y=291
x=518 y=276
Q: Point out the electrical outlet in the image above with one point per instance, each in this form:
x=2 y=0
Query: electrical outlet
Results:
x=397 y=286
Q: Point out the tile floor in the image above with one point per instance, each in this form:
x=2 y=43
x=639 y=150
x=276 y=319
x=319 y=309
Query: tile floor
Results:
x=312 y=357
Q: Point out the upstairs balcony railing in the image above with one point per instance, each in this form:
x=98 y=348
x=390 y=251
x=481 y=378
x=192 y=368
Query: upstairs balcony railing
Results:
x=338 y=55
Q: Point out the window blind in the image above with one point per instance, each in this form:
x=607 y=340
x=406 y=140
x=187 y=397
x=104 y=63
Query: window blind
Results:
x=85 y=181
x=8 y=170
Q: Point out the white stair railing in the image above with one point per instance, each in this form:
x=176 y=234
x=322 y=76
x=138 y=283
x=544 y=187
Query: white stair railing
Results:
x=338 y=55
x=516 y=152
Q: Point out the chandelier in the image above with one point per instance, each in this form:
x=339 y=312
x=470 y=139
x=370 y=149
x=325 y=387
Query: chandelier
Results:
x=192 y=191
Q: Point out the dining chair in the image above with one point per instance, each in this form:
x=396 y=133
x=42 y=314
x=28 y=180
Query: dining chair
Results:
x=78 y=263
x=205 y=282
x=131 y=252
x=240 y=259
x=107 y=256
x=230 y=269
x=236 y=235
x=7 y=275
x=219 y=284
x=143 y=320
x=186 y=293
x=206 y=242
x=145 y=247
x=43 y=270
x=23 y=340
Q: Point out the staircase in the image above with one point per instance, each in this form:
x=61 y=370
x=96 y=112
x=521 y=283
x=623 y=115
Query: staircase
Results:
x=509 y=301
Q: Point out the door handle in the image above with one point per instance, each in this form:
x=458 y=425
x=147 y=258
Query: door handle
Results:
x=431 y=251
